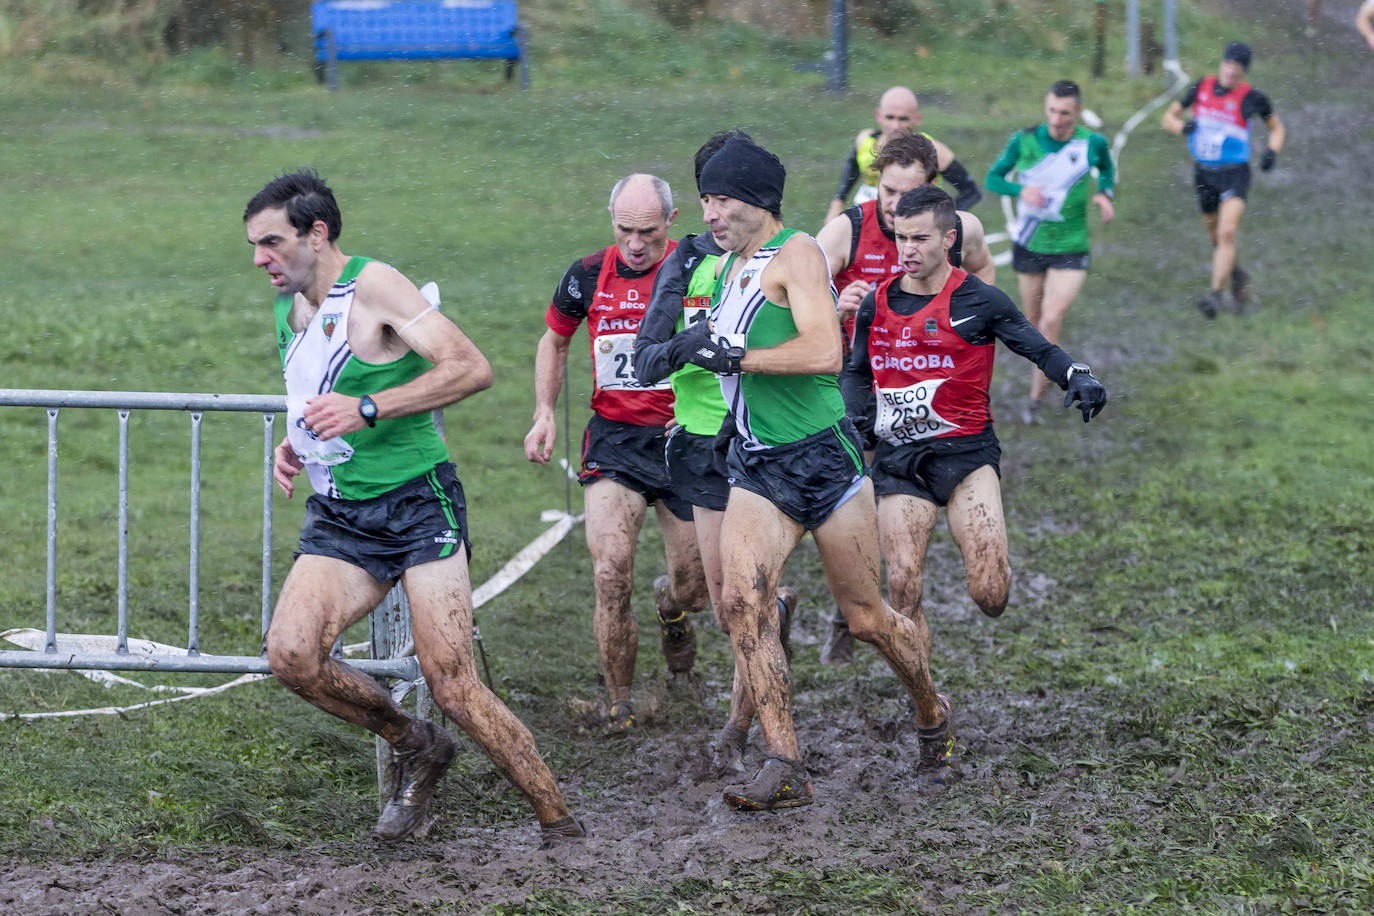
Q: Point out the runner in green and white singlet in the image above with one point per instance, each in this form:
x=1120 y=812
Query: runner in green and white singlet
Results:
x=1054 y=163
x=796 y=464
x=366 y=359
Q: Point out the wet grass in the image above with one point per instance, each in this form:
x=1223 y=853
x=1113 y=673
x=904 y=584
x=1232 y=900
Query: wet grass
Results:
x=1179 y=720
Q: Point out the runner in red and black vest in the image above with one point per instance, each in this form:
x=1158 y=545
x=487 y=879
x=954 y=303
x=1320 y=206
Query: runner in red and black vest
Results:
x=918 y=376
x=1219 y=139
x=860 y=249
x=858 y=243
x=623 y=469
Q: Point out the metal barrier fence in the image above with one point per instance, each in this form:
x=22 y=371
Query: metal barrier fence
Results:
x=389 y=626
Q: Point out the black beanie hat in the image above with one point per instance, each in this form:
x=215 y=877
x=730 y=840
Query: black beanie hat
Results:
x=745 y=171
x=1239 y=52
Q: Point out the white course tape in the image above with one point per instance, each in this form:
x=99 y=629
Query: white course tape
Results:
x=73 y=643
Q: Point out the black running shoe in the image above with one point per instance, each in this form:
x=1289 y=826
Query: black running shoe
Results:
x=420 y=770
x=621 y=719
x=780 y=783
x=679 y=639
x=936 y=765
x=1209 y=304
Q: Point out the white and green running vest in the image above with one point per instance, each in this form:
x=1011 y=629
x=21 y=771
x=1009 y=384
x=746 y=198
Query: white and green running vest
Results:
x=373 y=460
x=769 y=410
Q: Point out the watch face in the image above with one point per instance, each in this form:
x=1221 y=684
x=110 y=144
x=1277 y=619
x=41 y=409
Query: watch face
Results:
x=368 y=409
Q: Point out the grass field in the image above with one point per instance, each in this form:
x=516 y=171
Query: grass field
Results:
x=1176 y=713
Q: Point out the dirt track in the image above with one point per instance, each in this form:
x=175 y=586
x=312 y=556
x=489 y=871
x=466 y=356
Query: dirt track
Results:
x=667 y=822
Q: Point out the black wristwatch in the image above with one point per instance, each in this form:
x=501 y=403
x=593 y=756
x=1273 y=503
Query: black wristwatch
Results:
x=1077 y=367
x=367 y=409
x=733 y=355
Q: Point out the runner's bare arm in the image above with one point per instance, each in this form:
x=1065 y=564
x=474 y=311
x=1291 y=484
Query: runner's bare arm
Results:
x=943 y=155
x=1277 y=134
x=389 y=318
x=798 y=279
x=977 y=255
x=1364 y=22
x=550 y=366
x=1173 y=118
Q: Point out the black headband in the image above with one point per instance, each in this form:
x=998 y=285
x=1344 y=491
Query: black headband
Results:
x=745 y=171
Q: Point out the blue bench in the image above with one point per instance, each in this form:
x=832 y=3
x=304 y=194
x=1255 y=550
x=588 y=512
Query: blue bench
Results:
x=416 y=30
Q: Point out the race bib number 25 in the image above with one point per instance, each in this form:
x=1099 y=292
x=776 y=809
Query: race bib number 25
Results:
x=614 y=363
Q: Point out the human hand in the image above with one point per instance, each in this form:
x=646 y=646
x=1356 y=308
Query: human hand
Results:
x=286 y=464
x=1032 y=195
x=1104 y=203
x=1188 y=127
x=696 y=346
x=1087 y=391
x=332 y=414
x=540 y=439
x=851 y=297
x=1268 y=159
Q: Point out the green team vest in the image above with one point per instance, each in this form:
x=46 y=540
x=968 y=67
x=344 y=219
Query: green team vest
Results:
x=699 y=408
x=384 y=456
x=769 y=410
x=1064 y=171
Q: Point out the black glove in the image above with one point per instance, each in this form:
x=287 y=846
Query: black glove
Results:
x=725 y=435
x=1189 y=126
x=696 y=346
x=1268 y=159
x=1086 y=390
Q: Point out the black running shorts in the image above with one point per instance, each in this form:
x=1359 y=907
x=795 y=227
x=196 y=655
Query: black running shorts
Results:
x=422 y=520
x=697 y=470
x=916 y=470
x=632 y=456
x=1025 y=261
x=1222 y=182
x=808 y=479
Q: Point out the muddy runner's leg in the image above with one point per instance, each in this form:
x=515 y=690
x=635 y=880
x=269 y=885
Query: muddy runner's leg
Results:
x=708 y=522
x=321 y=598
x=848 y=543
x=441 y=617
x=615 y=513
x=687 y=586
x=756 y=540
x=977 y=525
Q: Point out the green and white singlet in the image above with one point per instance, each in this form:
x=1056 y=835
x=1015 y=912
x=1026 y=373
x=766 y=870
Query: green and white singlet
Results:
x=698 y=406
x=373 y=460
x=769 y=410
x=1063 y=171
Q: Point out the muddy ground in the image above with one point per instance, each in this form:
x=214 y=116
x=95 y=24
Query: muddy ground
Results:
x=664 y=822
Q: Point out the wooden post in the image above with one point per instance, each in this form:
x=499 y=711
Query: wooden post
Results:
x=1100 y=42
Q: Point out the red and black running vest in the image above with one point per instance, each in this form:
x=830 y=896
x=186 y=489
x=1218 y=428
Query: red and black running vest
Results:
x=928 y=381
x=1222 y=134
x=617 y=307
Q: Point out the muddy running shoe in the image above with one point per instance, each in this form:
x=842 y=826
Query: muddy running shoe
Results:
x=839 y=645
x=679 y=639
x=727 y=754
x=935 y=767
x=1240 y=284
x=569 y=828
x=780 y=783
x=1030 y=412
x=1209 y=304
x=787 y=607
x=621 y=719
x=419 y=771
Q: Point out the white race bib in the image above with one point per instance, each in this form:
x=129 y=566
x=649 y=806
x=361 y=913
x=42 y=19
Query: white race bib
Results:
x=615 y=369
x=908 y=414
